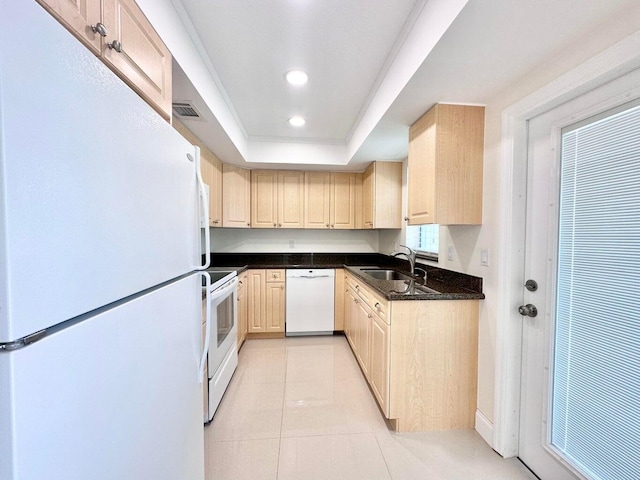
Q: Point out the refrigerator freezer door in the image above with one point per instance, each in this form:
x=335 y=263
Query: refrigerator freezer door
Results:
x=98 y=199
x=116 y=396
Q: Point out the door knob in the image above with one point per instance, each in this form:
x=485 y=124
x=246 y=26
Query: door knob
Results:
x=528 y=310
x=100 y=29
x=115 y=45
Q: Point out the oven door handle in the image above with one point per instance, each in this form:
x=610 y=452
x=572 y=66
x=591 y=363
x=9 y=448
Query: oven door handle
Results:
x=223 y=292
x=207 y=334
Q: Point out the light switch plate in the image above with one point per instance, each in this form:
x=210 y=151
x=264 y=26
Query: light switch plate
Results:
x=450 y=253
x=292 y=244
x=484 y=257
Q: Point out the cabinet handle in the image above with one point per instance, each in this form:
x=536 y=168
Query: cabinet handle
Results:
x=279 y=225
x=356 y=301
x=327 y=225
x=115 y=45
x=370 y=316
x=274 y=224
x=377 y=305
x=100 y=29
x=281 y=287
x=240 y=282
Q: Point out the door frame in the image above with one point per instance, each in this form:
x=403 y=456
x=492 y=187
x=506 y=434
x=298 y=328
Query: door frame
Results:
x=617 y=60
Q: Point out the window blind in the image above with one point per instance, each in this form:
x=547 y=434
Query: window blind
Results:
x=595 y=408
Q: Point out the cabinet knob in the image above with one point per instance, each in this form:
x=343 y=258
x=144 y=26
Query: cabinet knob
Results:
x=377 y=305
x=274 y=224
x=248 y=224
x=327 y=225
x=100 y=29
x=281 y=287
x=333 y=226
x=355 y=300
x=115 y=45
x=369 y=315
x=406 y=219
x=279 y=225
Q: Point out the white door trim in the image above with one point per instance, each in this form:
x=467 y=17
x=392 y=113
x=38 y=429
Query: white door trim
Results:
x=617 y=60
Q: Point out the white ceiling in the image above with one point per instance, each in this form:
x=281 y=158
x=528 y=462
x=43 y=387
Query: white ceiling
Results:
x=375 y=67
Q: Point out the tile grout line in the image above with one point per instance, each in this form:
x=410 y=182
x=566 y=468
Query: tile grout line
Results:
x=284 y=389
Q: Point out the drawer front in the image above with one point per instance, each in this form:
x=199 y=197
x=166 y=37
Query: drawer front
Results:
x=275 y=275
x=374 y=301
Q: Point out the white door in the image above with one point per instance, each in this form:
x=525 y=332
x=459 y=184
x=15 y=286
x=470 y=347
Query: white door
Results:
x=580 y=401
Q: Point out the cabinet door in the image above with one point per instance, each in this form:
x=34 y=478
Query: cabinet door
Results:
x=275 y=307
x=264 y=198
x=143 y=60
x=290 y=199
x=421 y=172
x=350 y=313
x=368 y=186
x=387 y=195
x=78 y=16
x=364 y=337
x=236 y=196
x=343 y=200
x=242 y=312
x=256 y=301
x=379 y=365
x=317 y=199
x=339 y=298
x=215 y=193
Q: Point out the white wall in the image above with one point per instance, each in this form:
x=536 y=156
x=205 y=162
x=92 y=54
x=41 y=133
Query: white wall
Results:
x=257 y=240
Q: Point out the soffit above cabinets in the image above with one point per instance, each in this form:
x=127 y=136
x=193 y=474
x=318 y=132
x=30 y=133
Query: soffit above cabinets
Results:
x=374 y=67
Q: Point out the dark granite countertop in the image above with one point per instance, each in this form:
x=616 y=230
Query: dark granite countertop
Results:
x=450 y=285
x=436 y=289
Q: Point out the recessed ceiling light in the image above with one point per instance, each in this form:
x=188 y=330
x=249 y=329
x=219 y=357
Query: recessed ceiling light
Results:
x=297 y=121
x=296 y=77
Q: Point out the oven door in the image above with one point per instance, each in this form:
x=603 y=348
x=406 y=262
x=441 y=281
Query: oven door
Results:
x=224 y=324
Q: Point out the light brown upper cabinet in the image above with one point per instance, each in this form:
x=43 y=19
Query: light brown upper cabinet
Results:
x=211 y=170
x=118 y=32
x=277 y=199
x=317 y=199
x=382 y=195
x=343 y=200
x=330 y=200
x=445 y=166
x=236 y=196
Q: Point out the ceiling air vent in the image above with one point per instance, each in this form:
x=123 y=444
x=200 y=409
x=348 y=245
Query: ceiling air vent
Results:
x=186 y=109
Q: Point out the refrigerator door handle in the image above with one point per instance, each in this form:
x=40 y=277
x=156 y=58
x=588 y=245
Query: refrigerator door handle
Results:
x=204 y=201
x=207 y=334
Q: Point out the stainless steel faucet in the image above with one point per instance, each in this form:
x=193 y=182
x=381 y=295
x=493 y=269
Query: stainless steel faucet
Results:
x=411 y=256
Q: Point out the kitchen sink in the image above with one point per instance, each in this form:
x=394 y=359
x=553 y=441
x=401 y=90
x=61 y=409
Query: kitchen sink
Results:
x=381 y=274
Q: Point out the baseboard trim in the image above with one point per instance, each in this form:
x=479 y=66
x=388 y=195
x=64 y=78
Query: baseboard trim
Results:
x=484 y=427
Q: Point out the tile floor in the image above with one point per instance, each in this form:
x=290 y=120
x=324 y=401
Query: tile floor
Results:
x=300 y=409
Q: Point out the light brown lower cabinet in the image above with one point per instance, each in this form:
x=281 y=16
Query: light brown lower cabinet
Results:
x=242 y=308
x=419 y=357
x=266 y=301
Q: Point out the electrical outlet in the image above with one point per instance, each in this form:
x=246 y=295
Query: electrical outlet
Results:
x=484 y=257
x=450 y=253
x=292 y=244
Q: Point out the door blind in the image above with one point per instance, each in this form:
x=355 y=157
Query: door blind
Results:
x=595 y=408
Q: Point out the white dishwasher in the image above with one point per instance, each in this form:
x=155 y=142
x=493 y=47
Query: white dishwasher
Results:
x=310 y=301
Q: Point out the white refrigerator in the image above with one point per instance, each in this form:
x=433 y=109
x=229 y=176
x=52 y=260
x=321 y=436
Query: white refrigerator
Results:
x=100 y=299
